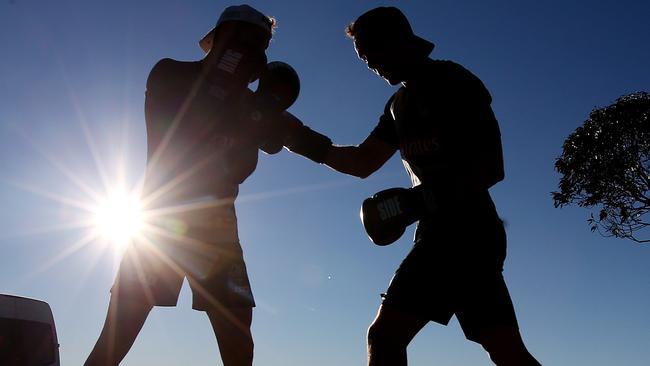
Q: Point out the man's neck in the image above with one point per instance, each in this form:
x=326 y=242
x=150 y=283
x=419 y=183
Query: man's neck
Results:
x=415 y=69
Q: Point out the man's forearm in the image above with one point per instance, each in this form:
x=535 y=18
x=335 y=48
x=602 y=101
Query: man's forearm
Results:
x=304 y=141
x=319 y=148
x=347 y=160
x=359 y=161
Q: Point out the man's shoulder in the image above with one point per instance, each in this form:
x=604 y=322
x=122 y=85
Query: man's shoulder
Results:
x=169 y=64
x=167 y=69
x=456 y=79
x=445 y=64
x=449 y=69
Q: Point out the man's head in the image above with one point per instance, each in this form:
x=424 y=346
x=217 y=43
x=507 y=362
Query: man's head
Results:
x=239 y=14
x=239 y=40
x=383 y=38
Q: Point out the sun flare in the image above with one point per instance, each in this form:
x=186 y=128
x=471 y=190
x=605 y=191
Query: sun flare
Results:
x=118 y=217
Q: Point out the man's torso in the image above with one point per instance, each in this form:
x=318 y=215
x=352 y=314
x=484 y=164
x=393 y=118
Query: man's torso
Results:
x=441 y=122
x=192 y=148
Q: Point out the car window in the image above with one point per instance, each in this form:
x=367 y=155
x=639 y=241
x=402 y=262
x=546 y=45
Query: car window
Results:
x=26 y=343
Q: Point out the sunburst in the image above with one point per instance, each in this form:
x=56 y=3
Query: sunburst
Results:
x=118 y=217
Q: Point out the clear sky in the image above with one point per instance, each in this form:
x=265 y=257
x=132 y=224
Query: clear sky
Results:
x=72 y=78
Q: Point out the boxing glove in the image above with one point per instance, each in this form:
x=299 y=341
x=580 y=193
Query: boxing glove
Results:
x=387 y=214
x=278 y=89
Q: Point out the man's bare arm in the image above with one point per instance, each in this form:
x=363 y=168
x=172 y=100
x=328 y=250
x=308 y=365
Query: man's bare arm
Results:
x=359 y=161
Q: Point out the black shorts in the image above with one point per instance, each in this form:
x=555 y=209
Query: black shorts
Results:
x=456 y=273
x=200 y=245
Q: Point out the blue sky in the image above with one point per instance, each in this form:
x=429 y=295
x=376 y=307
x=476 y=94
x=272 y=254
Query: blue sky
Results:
x=72 y=76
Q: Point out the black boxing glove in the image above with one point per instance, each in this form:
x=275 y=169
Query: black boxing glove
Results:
x=234 y=68
x=279 y=85
x=388 y=213
x=304 y=141
x=278 y=89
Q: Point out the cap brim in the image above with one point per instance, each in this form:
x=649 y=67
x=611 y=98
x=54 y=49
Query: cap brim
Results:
x=423 y=45
x=206 y=42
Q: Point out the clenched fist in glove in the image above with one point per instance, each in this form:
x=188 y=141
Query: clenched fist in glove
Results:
x=386 y=214
x=278 y=89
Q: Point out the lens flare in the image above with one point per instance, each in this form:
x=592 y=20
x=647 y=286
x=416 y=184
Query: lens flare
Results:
x=118 y=217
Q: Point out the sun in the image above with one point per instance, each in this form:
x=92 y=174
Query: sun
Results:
x=118 y=217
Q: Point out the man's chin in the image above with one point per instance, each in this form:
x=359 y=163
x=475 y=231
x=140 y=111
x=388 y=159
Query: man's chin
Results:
x=391 y=78
x=392 y=81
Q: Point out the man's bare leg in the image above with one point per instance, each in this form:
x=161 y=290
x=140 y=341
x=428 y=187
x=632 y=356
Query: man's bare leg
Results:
x=389 y=335
x=122 y=325
x=233 y=333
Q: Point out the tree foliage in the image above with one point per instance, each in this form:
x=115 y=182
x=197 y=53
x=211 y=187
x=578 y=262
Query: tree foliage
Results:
x=605 y=165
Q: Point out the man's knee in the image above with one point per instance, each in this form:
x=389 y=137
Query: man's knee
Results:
x=380 y=335
x=373 y=334
x=394 y=329
x=236 y=320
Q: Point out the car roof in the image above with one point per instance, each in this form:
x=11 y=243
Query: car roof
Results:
x=18 y=307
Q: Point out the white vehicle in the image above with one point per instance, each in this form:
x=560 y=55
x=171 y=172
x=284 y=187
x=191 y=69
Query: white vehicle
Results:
x=27 y=333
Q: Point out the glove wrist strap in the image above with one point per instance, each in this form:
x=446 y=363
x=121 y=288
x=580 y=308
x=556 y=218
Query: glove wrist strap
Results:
x=309 y=143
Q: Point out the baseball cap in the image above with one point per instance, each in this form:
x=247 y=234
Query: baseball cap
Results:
x=387 y=21
x=237 y=13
